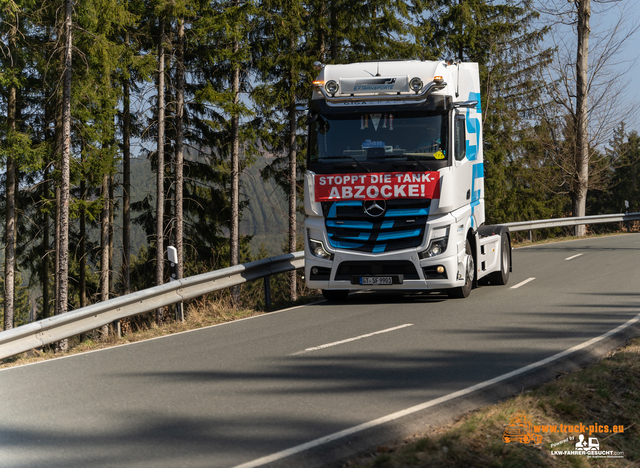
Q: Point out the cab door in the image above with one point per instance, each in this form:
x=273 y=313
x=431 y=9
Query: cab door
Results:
x=461 y=163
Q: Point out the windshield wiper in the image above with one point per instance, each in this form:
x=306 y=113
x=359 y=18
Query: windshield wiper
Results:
x=345 y=157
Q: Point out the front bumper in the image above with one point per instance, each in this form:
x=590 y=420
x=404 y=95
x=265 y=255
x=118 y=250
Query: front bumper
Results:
x=414 y=273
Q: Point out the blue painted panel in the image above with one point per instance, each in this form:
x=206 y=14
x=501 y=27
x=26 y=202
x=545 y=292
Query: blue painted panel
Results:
x=344 y=245
x=407 y=212
x=350 y=224
x=398 y=235
x=334 y=207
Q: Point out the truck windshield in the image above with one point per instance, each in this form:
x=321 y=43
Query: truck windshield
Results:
x=369 y=139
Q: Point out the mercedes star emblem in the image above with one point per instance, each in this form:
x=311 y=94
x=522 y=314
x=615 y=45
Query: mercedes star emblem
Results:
x=375 y=208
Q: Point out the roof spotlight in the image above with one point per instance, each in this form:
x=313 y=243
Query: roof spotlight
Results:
x=331 y=87
x=415 y=84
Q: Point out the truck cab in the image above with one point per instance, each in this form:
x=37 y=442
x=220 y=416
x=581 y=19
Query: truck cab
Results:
x=394 y=187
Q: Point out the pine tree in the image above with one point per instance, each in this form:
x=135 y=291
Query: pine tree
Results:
x=504 y=40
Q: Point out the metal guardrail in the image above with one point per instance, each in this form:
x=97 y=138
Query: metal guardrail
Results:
x=561 y=222
x=50 y=330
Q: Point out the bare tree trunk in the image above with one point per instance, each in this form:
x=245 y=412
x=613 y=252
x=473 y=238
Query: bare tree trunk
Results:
x=160 y=174
x=10 y=258
x=582 y=131
x=83 y=246
x=293 y=190
x=234 y=233
x=62 y=276
x=45 y=258
x=334 y=31
x=116 y=323
x=57 y=249
x=180 y=149
x=104 y=244
x=111 y=218
x=126 y=187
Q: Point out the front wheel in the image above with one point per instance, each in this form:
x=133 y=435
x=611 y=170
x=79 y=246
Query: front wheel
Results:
x=335 y=295
x=464 y=291
x=502 y=277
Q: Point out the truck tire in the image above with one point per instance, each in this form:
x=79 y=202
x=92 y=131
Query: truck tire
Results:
x=502 y=277
x=463 y=291
x=335 y=295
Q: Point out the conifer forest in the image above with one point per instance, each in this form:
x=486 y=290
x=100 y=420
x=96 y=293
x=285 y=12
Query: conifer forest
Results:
x=127 y=126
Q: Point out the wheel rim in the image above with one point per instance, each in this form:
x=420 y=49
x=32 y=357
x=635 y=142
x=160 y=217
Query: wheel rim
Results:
x=505 y=257
x=471 y=269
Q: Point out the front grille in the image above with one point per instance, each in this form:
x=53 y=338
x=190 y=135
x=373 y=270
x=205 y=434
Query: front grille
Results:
x=401 y=226
x=348 y=269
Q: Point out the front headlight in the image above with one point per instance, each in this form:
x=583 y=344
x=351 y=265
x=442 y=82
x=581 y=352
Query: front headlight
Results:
x=436 y=247
x=317 y=250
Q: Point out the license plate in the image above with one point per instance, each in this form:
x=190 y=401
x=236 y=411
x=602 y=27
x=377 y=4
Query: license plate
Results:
x=376 y=280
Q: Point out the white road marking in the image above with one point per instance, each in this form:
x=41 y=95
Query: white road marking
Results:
x=429 y=404
x=571 y=258
x=522 y=283
x=349 y=340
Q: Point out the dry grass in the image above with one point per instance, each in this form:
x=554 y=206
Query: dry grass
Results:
x=606 y=393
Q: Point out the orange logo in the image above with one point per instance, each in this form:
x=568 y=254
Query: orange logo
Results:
x=520 y=429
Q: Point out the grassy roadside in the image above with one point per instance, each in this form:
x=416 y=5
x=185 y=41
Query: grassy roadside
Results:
x=607 y=393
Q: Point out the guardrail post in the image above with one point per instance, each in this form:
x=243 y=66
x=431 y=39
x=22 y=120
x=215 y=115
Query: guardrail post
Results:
x=626 y=212
x=530 y=235
x=172 y=254
x=267 y=291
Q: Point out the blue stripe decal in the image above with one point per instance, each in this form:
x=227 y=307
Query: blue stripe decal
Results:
x=379 y=248
x=408 y=212
x=350 y=224
x=361 y=237
x=387 y=225
x=399 y=235
x=334 y=207
x=344 y=245
x=478 y=170
x=473 y=128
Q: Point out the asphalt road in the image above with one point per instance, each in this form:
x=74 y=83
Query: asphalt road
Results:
x=230 y=394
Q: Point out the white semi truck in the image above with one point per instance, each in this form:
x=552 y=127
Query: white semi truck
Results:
x=394 y=188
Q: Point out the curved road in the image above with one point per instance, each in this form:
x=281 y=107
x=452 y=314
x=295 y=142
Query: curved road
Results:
x=233 y=393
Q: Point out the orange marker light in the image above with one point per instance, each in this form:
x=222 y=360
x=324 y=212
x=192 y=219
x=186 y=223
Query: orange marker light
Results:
x=318 y=82
x=438 y=79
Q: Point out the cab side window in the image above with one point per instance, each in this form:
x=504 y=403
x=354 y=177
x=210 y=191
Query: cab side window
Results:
x=460 y=138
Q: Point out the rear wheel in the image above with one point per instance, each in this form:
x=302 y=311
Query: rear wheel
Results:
x=464 y=291
x=502 y=277
x=335 y=295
